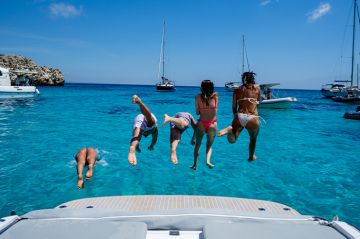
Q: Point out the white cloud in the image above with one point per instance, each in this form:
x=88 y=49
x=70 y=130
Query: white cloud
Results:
x=265 y=2
x=319 y=12
x=64 y=10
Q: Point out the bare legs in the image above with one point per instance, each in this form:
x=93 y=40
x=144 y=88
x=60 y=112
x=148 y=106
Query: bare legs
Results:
x=253 y=129
x=90 y=159
x=198 y=139
x=173 y=147
x=235 y=129
x=175 y=134
x=81 y=160
x=178 y=122
x=210 y=136
x=137 y=133
x=85 y=156
x=134 y=145
x=144 y=110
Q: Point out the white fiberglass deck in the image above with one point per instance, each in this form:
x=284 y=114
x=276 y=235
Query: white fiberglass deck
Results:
x=153 y=203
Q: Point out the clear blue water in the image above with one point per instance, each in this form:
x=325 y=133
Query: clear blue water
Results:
x=308 y=155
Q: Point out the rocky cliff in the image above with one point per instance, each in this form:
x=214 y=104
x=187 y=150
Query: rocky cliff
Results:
x=45 y=76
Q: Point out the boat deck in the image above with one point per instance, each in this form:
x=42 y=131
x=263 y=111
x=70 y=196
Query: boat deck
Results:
x=169 y=202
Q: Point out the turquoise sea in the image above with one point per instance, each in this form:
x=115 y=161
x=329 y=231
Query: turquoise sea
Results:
x=308 y=155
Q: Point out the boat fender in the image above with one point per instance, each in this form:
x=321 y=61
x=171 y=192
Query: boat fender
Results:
x=37 y=91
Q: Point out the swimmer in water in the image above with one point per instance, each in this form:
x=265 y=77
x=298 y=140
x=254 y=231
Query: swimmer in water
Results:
x=85 y=156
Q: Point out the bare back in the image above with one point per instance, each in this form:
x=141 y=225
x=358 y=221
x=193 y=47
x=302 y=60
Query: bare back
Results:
x=206 y=112
x=245 y=99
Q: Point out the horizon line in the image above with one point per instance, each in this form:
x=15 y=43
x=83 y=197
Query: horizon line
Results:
x=147 y=85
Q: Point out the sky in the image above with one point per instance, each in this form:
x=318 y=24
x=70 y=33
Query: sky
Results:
x=301 y=44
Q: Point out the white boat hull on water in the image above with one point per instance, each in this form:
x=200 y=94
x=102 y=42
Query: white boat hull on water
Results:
x=278 y=103
x=18 y=91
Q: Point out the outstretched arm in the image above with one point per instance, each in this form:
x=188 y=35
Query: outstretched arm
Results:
x=154 y=137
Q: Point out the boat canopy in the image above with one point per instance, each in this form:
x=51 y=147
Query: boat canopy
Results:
x=266 y=86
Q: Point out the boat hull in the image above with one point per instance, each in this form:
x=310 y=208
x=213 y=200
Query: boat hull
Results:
x=345 y=99
x=278 y=103
x=165 y=88
x=352 y=115
x=18 y=91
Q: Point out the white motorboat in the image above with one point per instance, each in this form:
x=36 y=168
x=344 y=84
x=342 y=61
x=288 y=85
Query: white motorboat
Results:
x=268 y=100
x=165 y=84
x=231 y=86
x=21 y=89
x=172 y=217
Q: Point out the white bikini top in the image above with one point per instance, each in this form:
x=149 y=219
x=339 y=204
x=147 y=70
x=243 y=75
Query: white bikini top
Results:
x=251 y=100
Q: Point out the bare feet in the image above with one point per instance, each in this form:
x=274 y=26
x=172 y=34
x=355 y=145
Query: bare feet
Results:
x=253 y=158
x=132 y=157
x=210 y=165
x=193 y=167
x=225 y=131
x=136 y=99
x=166 y=120
x=174 y=158
x=89 y=173
x=80 y=182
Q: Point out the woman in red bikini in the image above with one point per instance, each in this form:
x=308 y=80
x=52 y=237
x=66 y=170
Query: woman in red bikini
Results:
x=206 y=105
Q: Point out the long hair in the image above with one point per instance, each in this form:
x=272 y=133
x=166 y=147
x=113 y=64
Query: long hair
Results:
x=207 y=90
x=248 y=78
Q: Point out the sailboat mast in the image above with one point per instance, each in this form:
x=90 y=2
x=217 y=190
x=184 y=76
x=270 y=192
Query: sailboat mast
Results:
x=163 y=53
x=353 y=46
x=243 y=54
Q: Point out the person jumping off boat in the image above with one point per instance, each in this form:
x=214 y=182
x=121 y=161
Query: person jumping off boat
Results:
x=178 y=124
x=144 y=124
x=206 y=105
x=85 y=156
x=244 y=106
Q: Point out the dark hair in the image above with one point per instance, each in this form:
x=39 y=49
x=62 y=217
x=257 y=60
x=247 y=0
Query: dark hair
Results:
x=207 y=90
x=248 y=78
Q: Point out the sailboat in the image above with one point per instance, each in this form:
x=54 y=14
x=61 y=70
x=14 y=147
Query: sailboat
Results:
x=165 y=84
x=232 y=85
x=341 y=92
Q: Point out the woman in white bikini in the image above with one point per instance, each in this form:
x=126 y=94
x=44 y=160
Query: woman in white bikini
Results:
x=244 y=107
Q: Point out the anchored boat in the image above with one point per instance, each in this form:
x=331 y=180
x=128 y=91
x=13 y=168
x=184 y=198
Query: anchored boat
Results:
x=340 y=90
x=268 y=100
x=21 y=89
x=176 y=217
x=165 y=84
